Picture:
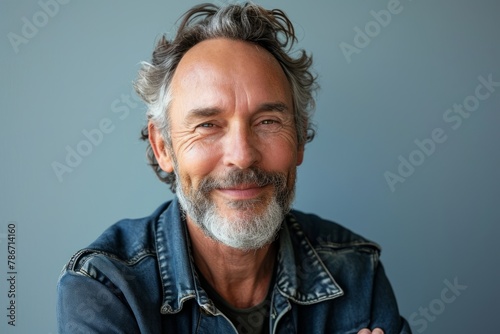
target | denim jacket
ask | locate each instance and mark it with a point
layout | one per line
(139, 277)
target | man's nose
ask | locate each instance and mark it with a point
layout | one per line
(240, 147)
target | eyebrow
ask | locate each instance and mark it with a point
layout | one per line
(213, 111)
(203, 112)
(273, 106)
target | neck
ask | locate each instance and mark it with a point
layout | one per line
(241, 278)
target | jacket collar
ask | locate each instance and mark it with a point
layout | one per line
(174, 259)
(301, 275)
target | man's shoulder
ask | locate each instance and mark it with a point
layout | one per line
(126, 241)
(326, 233)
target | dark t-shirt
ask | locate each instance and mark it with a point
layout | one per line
(253, 320)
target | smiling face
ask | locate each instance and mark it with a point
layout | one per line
(234, 143)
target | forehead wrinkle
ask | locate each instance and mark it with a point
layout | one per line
(203, 68)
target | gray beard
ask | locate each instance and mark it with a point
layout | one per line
(247, 231)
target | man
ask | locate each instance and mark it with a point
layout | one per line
(228, 112)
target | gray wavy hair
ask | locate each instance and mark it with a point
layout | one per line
(270, 29)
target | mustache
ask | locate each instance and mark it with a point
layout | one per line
(236, 177)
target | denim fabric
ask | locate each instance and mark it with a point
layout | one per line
(139, 277)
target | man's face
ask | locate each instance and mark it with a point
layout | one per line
(234, 143)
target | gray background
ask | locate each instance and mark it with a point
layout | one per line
(440, 224)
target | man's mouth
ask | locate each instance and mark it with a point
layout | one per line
(242, 191)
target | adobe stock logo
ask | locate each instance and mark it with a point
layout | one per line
(363, 37)
(449, 294)
(454, 117)
(94, 137)
(30, 28)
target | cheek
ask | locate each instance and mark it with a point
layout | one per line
(197, 162)
(281, 157)
(281, 152)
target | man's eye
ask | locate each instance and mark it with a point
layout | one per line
(206, 128)
(205, 125)
(269, 125)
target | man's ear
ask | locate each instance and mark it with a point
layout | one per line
(159, 148)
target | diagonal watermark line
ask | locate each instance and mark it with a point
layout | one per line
(31, 26)
(453, 117)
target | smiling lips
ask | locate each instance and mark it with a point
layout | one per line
(242, 192)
